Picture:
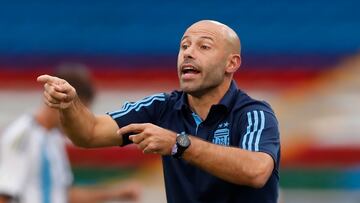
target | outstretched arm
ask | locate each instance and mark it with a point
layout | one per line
(79, 123)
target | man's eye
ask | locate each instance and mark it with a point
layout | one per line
(204, 47)
(184, 46)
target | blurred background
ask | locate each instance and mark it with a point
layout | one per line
(301, 56)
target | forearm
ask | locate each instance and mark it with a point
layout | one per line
(78, 123)
(229, 163)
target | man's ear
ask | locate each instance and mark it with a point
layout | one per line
(233, 64)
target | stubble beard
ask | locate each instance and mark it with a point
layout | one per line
(199, 90)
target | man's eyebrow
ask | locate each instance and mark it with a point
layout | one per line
(184, 37)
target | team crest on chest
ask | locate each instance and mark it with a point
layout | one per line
(221, 134)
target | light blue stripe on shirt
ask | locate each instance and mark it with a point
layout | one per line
(247, 130)
(128, 105)
(197, 120)
(138, 105)
(262, 126)
(251, 137)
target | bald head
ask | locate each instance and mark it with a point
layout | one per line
(220, 30)
(209, 55)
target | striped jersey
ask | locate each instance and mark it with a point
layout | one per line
(238, 121)
(34, 166)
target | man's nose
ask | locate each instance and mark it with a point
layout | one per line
(189, 52)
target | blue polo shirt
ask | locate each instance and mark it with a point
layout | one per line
(238, 120)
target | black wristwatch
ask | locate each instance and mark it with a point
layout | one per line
(182, 143)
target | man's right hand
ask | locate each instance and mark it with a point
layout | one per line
(58, 93)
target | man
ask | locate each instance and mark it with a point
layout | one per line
(217, 143)
(34, 167)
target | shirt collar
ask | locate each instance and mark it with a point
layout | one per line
(182, 102)
(226, 101)
(229, 97)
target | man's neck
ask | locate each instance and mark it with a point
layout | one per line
(201, 104)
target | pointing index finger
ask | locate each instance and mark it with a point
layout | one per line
(46, 79)
(131, 128)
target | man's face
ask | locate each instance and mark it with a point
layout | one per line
(202, 59)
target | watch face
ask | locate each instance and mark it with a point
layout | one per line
(183, 140)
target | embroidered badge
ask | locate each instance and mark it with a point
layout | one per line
(221, 135)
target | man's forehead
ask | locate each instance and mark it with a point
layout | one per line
(203, 30)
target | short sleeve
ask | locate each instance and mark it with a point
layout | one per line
(147, 110)
(13, 164)
(261, 133)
